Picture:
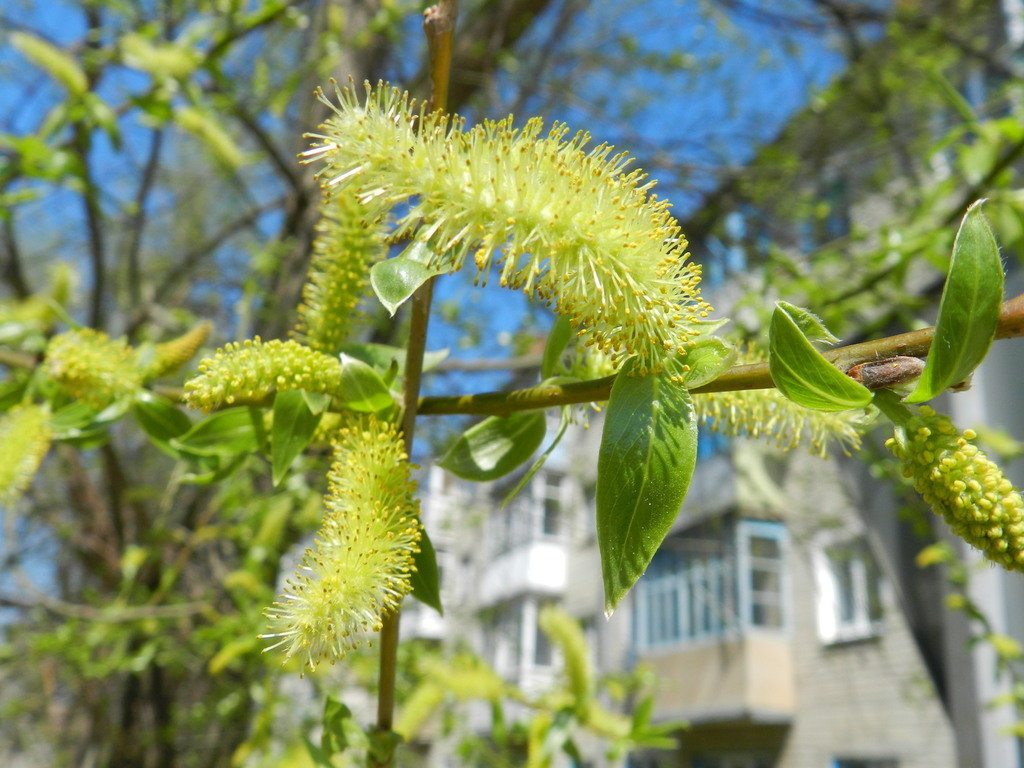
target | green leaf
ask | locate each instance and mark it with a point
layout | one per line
(563, 425)
(396, 279)
(159, 418)
(426, 579)
(12, 392)
(362, 388)
(293, 426)
(648, 451)
(72, 417)
(558, 340)
(968, 311)
(334, 738)
(161, 421)
(803, 375)
(812, 326)
(495, 446)
(317, 402)
(382, 356)
(222, 467)
(707, 359)
(227, 433)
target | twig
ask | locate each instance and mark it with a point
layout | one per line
(753, 376)
(439, 27)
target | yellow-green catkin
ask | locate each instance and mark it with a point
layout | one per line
(24, 440)
(361, 562)
(92, 367)
(963, 485)
(558, 219)
(252, 370)
(169, 356)
(767, 414)
(346, 246)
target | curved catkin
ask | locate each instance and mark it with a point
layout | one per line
(253, 370)
(963, 485)
(90, 366)
(346, 246)
(24, 440)
(169, 356)
(560, 220)
(767, 414)
(361, 562)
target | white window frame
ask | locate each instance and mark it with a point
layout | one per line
(831, 626)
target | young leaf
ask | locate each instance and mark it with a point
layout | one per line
(161, 421)
(968, 311)
(812, 326)
(426, 579)
(707, 360)
(293, 426)
(362, 388)
(226, 433)
(382, 356)
(563, 425)
(495, 446)
(317, 402)
(396, 279)
(803, 375)
(159, 418)
(558, 339)
(648, 451)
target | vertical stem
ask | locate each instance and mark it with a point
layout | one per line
(439, 27)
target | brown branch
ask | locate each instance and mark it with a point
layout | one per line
(753, 376)
(137, 223)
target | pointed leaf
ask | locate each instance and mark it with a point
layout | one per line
(648, 451)
(563, 425)
(226, 433)
(426, 579)
(812, 326)
(160, 418)
(803, 375)
(558, 339)
(968, 311)
(382, 356)
(707, 360)
(396, 279)
(317, 402)
(495, 446)
(293, 426)
(362, 388)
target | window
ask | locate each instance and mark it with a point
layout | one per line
(849, 591)
(762, 593)
(698, 588)
(552, 505)
(503, 637)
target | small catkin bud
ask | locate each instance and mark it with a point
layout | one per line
(24, 440)
(171, 355)
(347, 244)
(963, 485)
(90, 366)
(253, 370)
(360, 564)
